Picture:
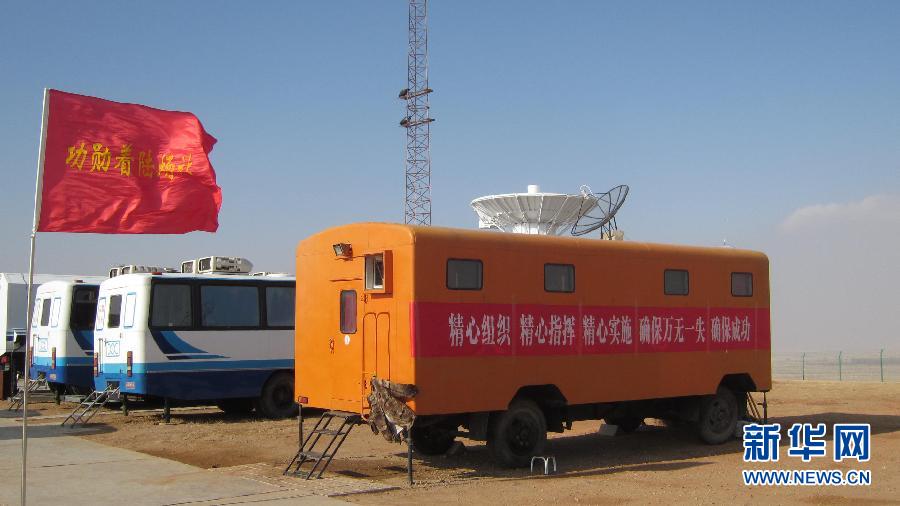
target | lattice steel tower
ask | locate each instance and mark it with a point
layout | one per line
(417, 122)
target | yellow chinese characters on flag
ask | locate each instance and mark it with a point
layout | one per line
(125, 168)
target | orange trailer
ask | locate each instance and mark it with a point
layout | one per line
(509, 336)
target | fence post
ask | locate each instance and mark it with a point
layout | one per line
(881, 363)
(840, 366)
(803, 366)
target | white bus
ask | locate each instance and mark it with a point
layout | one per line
(211, 336)
(62, 333)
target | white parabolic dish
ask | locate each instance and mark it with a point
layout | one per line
(533, 212)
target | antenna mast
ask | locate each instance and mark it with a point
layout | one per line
(417, 122)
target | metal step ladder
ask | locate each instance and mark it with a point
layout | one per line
(753, 409)
(91, 405)
(35, 387)
(311, 452)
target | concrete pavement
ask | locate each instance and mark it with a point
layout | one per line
(64, 469)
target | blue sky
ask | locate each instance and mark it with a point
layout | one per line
(725, 118)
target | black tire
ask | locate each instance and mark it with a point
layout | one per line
(718, 417)
(627, 424)
(277, 397)
(236, 406)
(517, 434)
(433, 439)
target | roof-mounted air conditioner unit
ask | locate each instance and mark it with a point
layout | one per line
(223, 265)
(134, 269)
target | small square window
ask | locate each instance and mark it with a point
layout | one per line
(375, 272)
(464, 274)
(742, 284)
(677, 282)
(559, 278)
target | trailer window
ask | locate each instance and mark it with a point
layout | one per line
(171, 306)
(348, 311)
(280, 306)
(84, 309)
(45, 312)
(677, 282)
(464, 274)
(375, 272)
(559, 278)
(742, 284)
(229, 306)
(115, 312)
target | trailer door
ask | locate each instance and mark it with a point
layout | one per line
(347, 351)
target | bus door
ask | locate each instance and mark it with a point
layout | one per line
(346, 348)
(107, 349)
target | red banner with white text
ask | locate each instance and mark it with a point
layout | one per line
(116, 168)
(450, 329)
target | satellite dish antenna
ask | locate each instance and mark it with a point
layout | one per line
(532, 212)
(602, 214)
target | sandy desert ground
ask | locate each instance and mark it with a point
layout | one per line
(656, 464)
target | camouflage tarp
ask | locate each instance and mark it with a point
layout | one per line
(390, 416)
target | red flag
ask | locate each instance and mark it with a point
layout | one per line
(114, 168)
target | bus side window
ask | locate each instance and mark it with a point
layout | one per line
(677, 282)
(348, 311)
(741, 284)
(84, 309)
(229, 306)
(54, 312)
(115, 312)
(45, 312)
(129, 310)
(280, 306)
(171, 306)
(36, 312)
(101, 314)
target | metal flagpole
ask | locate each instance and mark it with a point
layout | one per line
(38, 186)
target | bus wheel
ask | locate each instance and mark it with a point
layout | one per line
(277, 399)
(236, 406)
(433, 439)
(718, 417)
(518, 434)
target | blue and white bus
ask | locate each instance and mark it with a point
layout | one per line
(62, 333)
(213, 336)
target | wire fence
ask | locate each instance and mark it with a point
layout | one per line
(879, 365)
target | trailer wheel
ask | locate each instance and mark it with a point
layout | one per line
(433, 439)
(235, 406)
(277, 398)
(518, 434)
(718, 417)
